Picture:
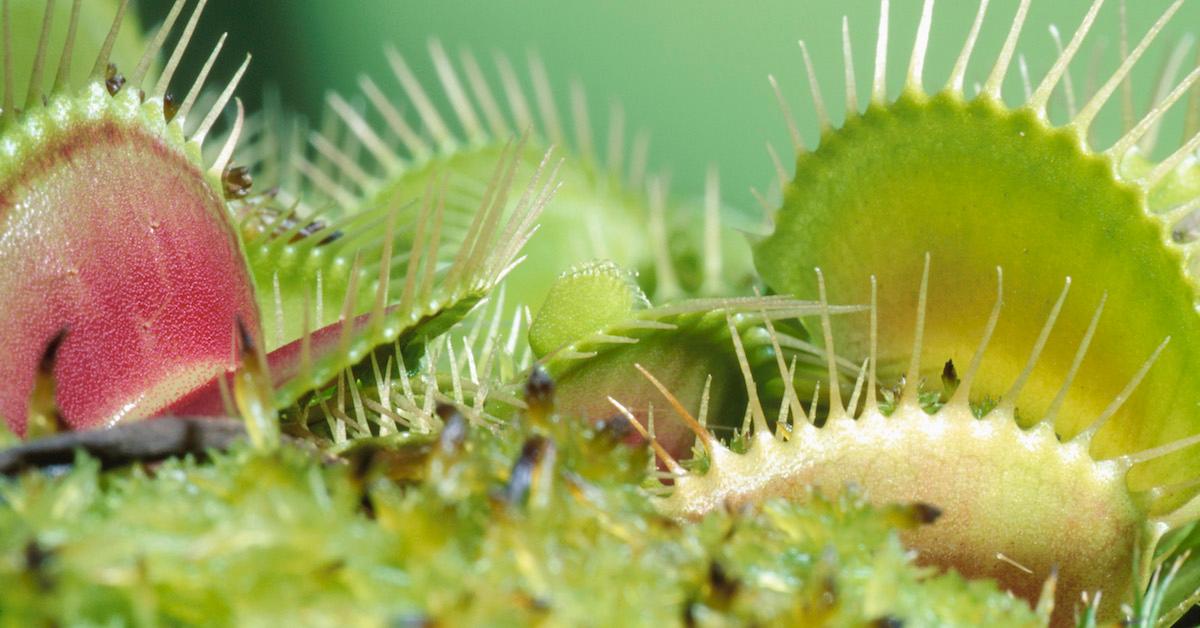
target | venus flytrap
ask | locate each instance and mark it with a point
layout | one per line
(474, 473)
(147, 270)
(1090, 406)
(609, 206)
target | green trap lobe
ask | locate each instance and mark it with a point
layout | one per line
(977, 186)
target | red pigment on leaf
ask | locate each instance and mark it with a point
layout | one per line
(284, 364)
(116, 236)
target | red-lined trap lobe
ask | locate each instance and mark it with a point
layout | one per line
(114, 229)
(117, 237)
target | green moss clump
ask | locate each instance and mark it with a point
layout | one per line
(525, 524)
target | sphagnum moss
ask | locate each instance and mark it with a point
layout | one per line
(542, 521)
(497, 509)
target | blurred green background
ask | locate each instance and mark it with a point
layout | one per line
(691, 73)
